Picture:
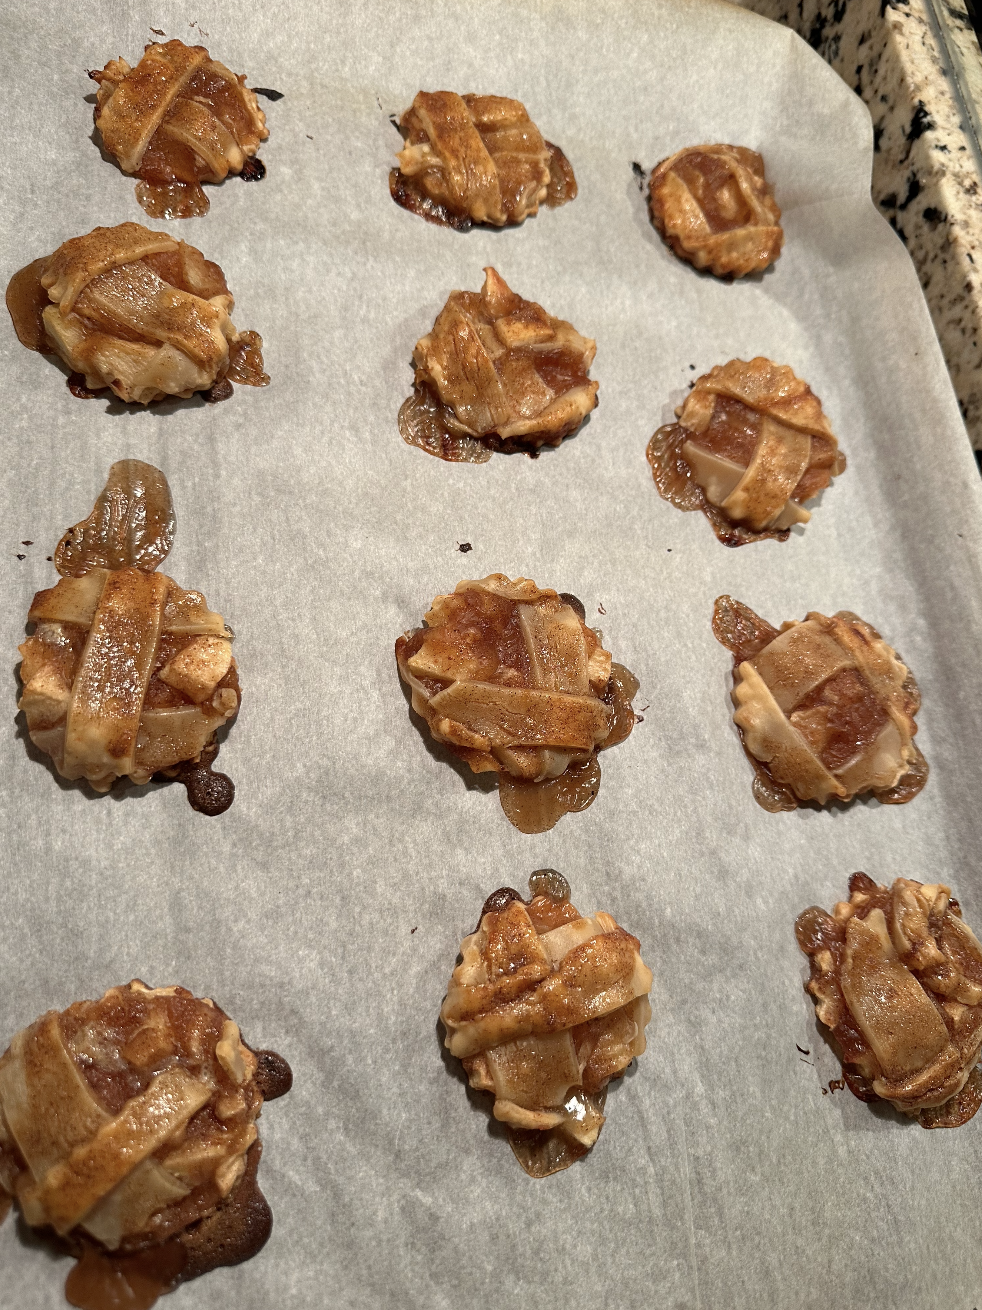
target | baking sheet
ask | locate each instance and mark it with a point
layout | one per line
(324, 910)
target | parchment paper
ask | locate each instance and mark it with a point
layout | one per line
(325, 909)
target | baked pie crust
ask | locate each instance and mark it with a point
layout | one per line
(127, 674)
(897, 979)
(750, 446)
(508, 676)
(715, 208)
(544, 1009)
(824, 706)
(137, 312)
(476, 159)
(128, 1132)
(179, 118)
(496, 372)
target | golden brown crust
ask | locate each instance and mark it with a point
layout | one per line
(500, 371)
(750, 446)
(509, 676)
(476, 159)
(897, 978)
(129, 1117)
(140, 313)
(126, 673)
(177, 119)
(715, 208)
(824, 705)
(545, 1008)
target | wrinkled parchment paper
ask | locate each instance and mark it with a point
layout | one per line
(325, 909)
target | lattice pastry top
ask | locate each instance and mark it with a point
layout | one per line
(137, 312)
(496, 372)
(545, 1008)
(128, 1121)
(716, 209)
(824, 706)
(750, 447)
(127, 674)
(897, 977)
(476, 159)
(509, 676)
(179, 118)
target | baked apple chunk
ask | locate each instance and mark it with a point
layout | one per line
(544, 1009)
(751, 445)
(508, 676)
(128, 1135)
(476, 159)
(179, 118)
(715, 208)
(127, 674)
(138, 313)
(496, 372)
(896, 975)
(824, 706)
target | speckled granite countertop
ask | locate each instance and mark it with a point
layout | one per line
(917, 65)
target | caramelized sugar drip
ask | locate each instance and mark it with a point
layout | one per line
(542, 1154)
(551, 883)
(209, 793)
(909, 785)
(274, 1077)
(101, 1281)
(172, 199)
(538, 806)
(5, 1203)
(131, 524)
(222, 390)
(233, 1233)
(621, 690)
(562, 182)
(245, 361)
(498, 900)
(770, 794)
(423, 423)
(739, 629)
(406, 192)
(675, 483)
(961, 1107)
(75, 382)
(26, 299)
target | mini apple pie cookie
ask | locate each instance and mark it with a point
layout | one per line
(545, 1008)
(751, 445)
(715, 208)
(897, 979)
(179, 118)
(476, 159)
(126, 674)
(128, 1132)
(824, 706)
(496, 372)
(510, 678)
(137, 312)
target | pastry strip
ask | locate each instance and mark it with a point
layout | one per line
(138, 104)
(112, 679)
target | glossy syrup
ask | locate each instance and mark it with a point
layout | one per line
(423, 423)
(673, 478)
